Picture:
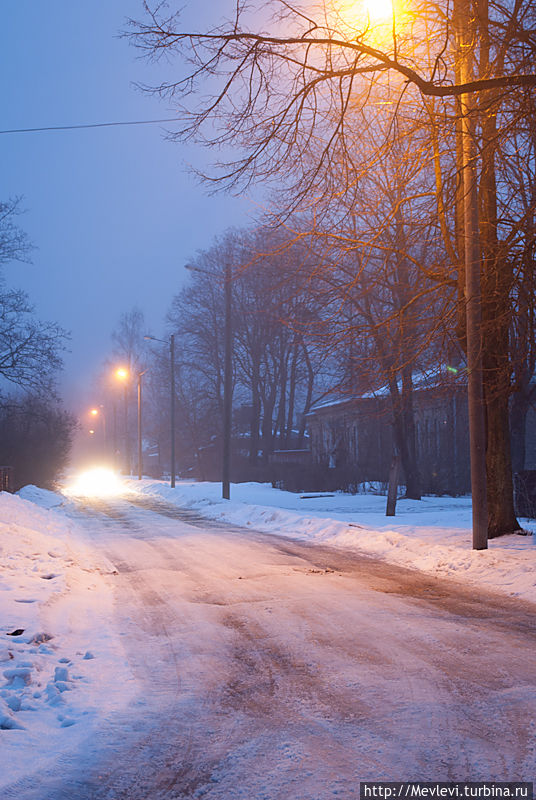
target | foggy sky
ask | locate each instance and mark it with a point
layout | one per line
(113, 212)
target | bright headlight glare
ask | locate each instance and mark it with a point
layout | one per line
(98, 482)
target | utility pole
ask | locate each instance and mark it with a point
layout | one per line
(172, 399)
(227, 388)
(127, 438)
(140, 446)
(473, 303)
(172, 382)
(227, 376)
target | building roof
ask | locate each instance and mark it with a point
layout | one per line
(450, 377)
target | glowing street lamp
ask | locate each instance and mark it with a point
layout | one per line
(98, 413)
(375, 18)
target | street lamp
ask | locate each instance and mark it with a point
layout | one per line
(172, 388)
(467, 117)
(98, 413)
(227, 377)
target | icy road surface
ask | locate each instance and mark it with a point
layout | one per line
(269, 668)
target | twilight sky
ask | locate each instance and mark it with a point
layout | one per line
(113, 212)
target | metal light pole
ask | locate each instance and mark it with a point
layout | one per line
(127, 440)
(140, 447)
(115, 436)
(123, 375)
(172, 409)
(227, 390)
(172, 398)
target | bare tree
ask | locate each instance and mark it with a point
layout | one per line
(35, 439)
(127, 339)
(302, 84)
(14, 243)
(30, 350)
(274, 366)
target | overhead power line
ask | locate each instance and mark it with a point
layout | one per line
(89, 125)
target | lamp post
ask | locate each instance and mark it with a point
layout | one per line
(464, 26)
(227, 376)
(123, 375)
(473, 302)
(172, 408)
(140, 447)
(227, 390)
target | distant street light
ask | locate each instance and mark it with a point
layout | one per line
(227, 377)
(98, 413)
(172, 389)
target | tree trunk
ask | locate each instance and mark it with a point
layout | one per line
(518, 426)
(267, 442)
(497, 282)
(255, 416)
(404, 433)
(519, 408)
(309, 396)
(292, 395)
(400, 433)
(282, 407)
(394, 474)
(413, 479)
(501, 514)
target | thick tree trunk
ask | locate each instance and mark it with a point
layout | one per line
(497, 282)
(501, 514)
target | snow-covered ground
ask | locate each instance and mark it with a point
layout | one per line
(432, 534)
(60, 659)
(63, 669)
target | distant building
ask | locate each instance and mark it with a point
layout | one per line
(354, 436)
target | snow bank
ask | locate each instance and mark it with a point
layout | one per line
(432, 535)
(41, 497)
(59, 656)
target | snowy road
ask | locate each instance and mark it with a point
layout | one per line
(268, 668)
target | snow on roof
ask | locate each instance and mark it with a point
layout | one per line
(451, 376)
